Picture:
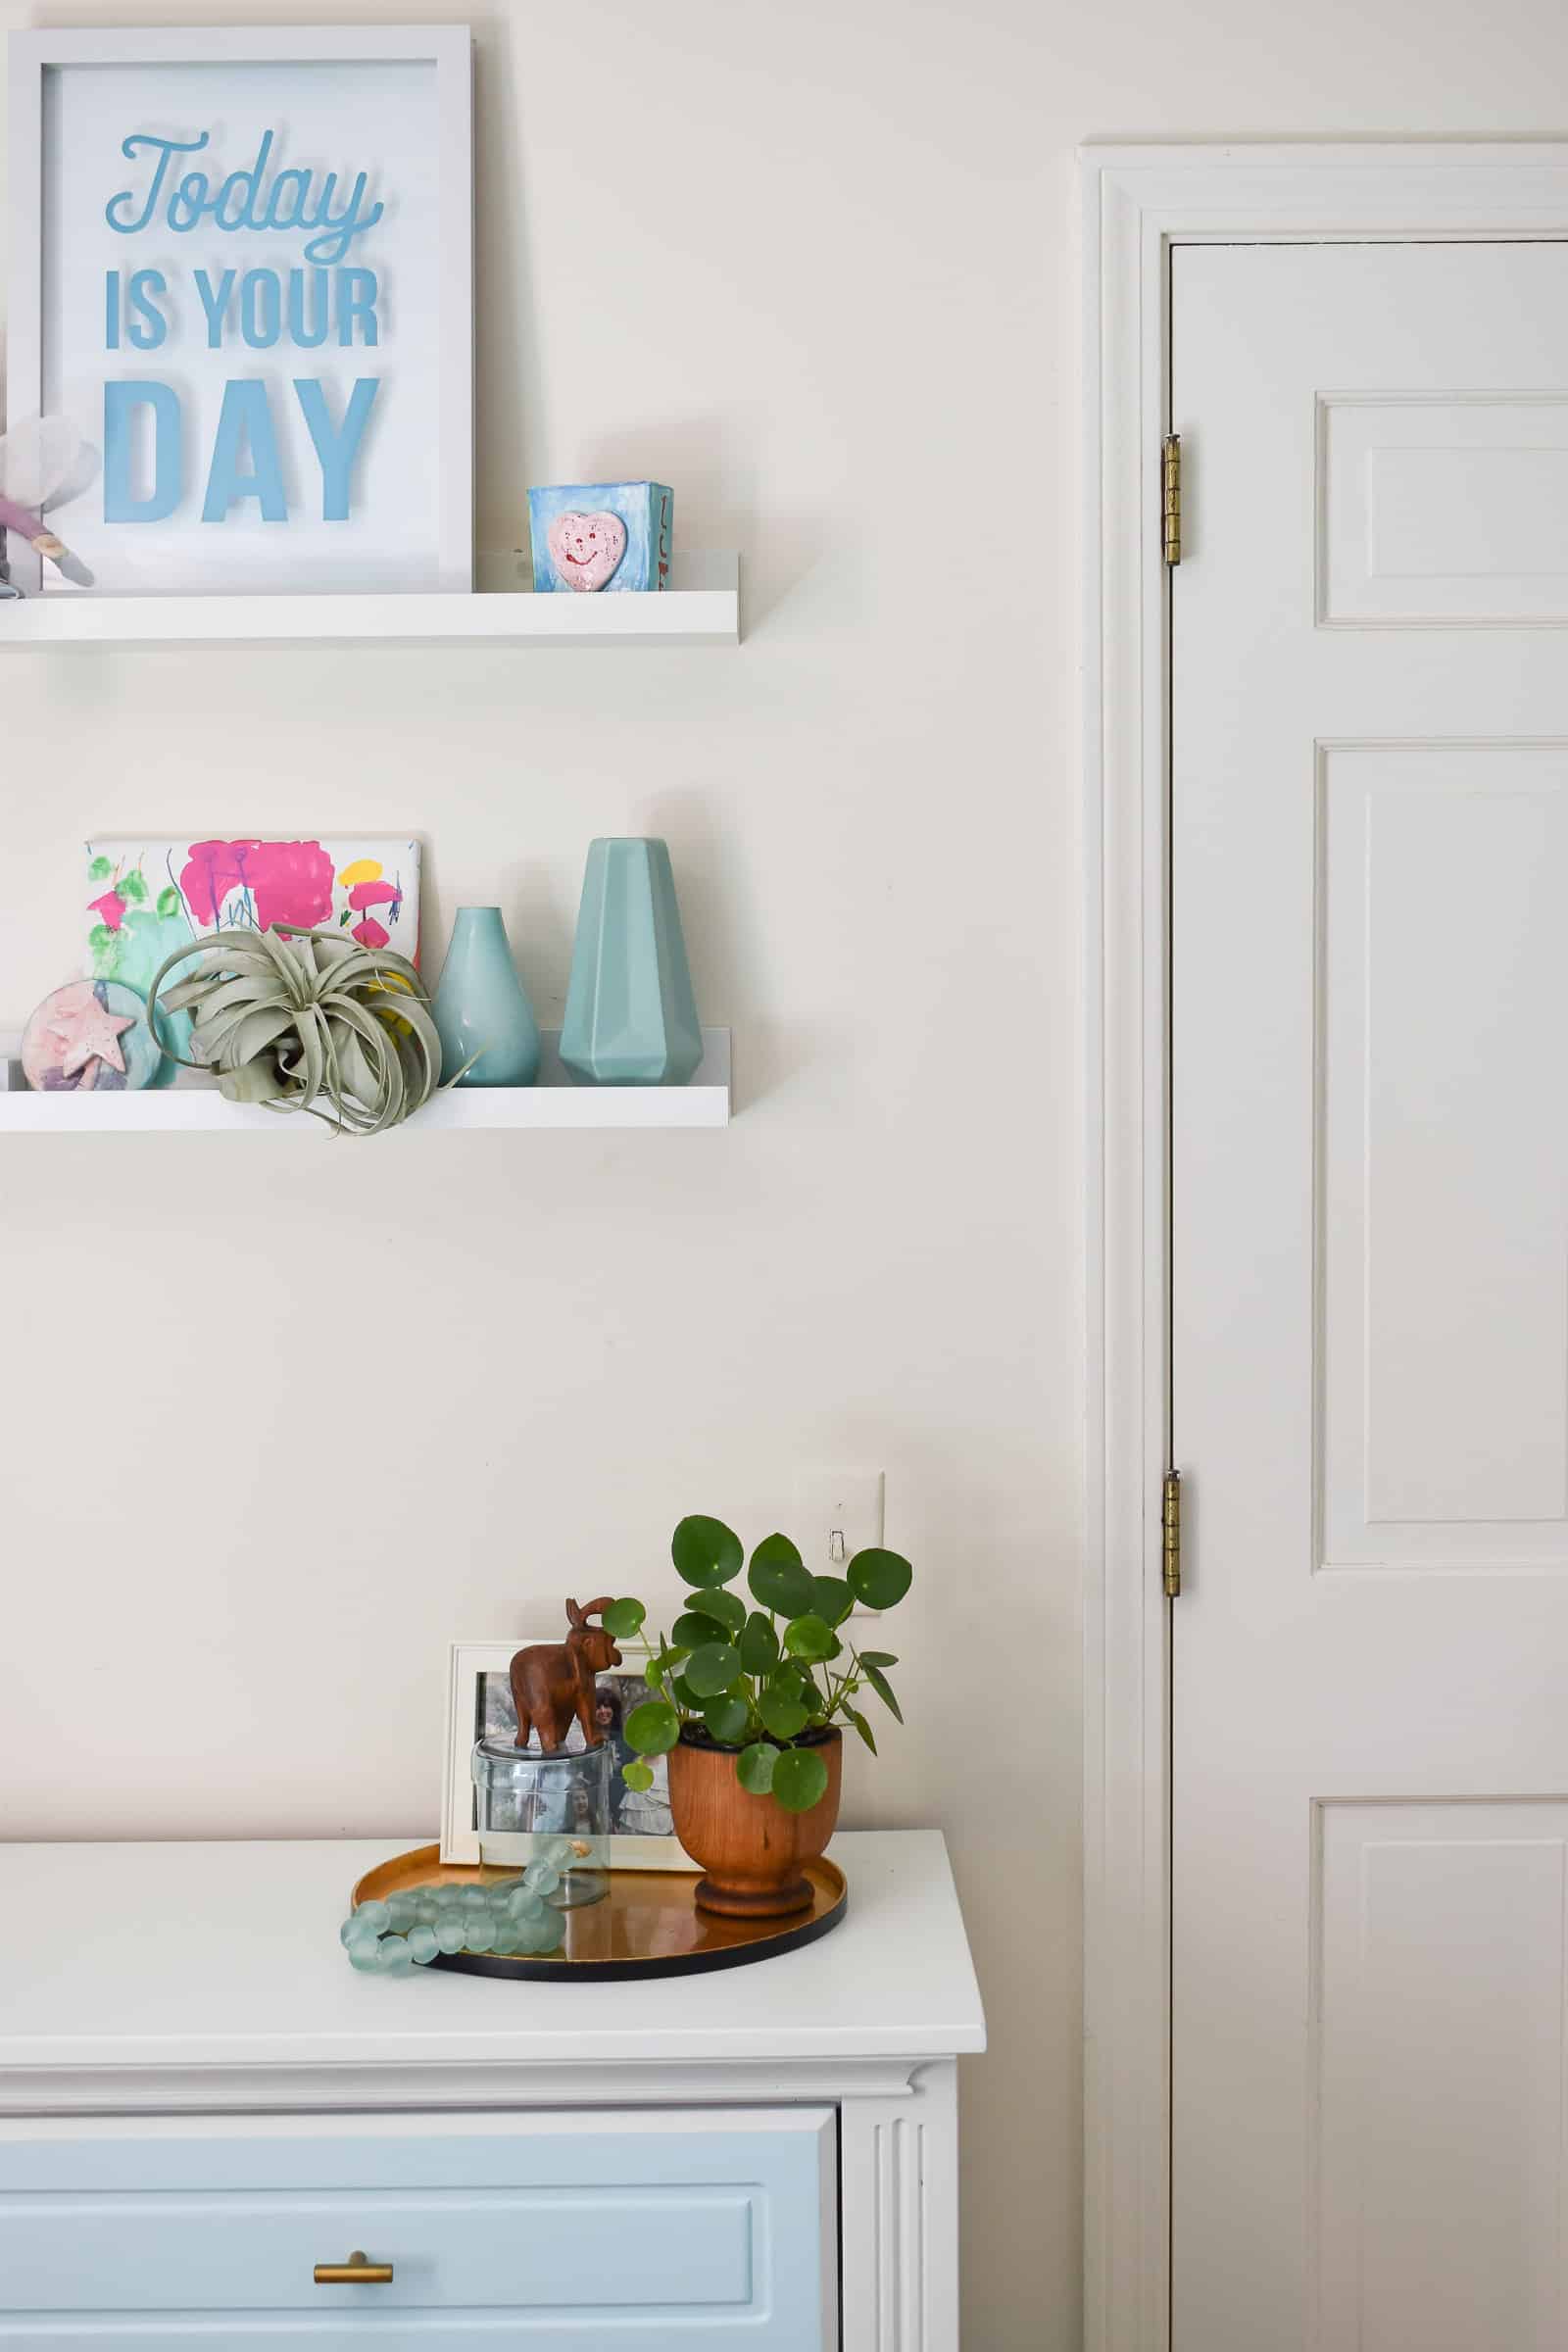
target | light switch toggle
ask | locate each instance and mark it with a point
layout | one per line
(837, 1513)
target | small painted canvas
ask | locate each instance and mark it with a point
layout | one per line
(597, 538)
(146, 898)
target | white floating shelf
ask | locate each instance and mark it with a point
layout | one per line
(700, 607)
(556, 1101)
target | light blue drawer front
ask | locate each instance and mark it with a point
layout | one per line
(665, 2231)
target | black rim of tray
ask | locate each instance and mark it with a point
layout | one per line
(547, 1969)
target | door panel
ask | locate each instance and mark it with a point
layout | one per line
(1440, 2040)
(1370, 1296)
(1442, 982)
(1450, 509)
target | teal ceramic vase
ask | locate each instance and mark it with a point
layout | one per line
(631, 1019)
(481, 1007)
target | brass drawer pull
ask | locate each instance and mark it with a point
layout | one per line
(356, 2272)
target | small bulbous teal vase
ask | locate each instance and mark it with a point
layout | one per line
(631, 1019)
(481, 1009)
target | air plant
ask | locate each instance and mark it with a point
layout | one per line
(307, 1020)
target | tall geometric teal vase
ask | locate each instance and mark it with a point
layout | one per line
(481, 1007)
(631, 1019)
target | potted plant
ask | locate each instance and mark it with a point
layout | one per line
(749, 1704)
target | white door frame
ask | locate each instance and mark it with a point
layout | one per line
(1137, 202)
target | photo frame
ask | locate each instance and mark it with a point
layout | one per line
(480, 1703)
(241, 315)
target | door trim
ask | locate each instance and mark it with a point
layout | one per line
(1136, 203)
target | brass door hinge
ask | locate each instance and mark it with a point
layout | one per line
(1170, 1533)
(1170, 498)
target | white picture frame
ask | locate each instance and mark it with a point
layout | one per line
(427, 358)
(469, 1664)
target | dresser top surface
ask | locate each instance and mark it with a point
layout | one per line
(227, 1955)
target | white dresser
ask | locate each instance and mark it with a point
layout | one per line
(201, 2104)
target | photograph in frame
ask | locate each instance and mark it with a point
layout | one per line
(479, 1706)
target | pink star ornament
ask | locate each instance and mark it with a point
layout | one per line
(91, 1034)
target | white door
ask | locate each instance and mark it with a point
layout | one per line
(1370, 1316)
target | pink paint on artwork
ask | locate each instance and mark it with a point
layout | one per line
(374, 894)
(286, 881)
(370, 933)
(112, 906)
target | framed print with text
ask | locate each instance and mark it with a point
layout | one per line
(240, 345)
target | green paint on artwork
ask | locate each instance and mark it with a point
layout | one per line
(146, 937)
(99, 870)
(132, 886)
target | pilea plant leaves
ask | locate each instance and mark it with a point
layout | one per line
(724, 1608)
(762, 1690)
(811, 1638)
(878, 1579)
(661, 1670)
(785, 1718)
(705, 1554)
(654, 1728)
(758, 1644)
(712, 1669)
(831, 1599)
(883, 1688)
(753, 1767)
(799, 1779)
(727, 1719)
(779, 1577)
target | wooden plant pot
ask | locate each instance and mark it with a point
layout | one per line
(750, 1850)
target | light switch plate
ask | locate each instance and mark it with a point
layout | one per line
(838, 1513)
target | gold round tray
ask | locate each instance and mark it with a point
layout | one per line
(646, 1926)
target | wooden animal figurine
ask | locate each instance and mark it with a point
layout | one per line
(554, 1681)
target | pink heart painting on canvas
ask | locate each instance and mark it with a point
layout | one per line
(586, 548)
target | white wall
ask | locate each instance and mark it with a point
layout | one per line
(282, 1418)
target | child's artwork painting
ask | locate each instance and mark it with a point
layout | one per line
(144, 899)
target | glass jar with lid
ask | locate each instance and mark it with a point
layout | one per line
(554, 1811)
